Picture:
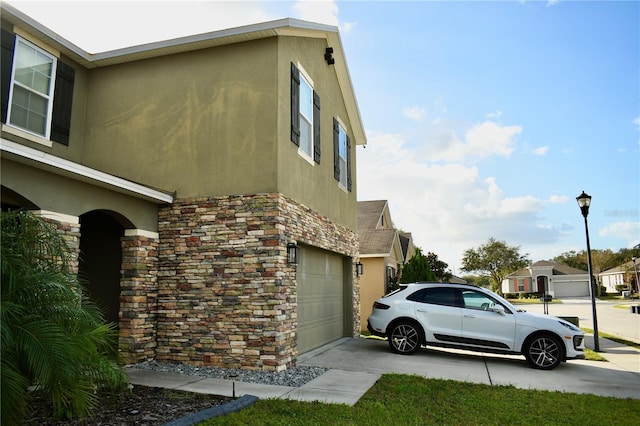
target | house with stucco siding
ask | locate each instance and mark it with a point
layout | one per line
(383, 251)
(545, 277)
(207, 184)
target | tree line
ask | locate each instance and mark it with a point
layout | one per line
(493, 261)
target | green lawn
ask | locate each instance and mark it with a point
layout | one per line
(411, 400)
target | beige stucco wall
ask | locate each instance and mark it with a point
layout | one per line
(296, 174)
(60, 194)
(372, 286)
(217, 122)
(198, 123)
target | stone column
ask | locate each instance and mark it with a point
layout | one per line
(138, 296)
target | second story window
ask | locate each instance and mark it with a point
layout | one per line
(305, 115)
(32, 89)
(37, 91)
(341, 155)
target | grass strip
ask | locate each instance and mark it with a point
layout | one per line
(412, 400)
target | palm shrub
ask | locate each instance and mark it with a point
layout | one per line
(53, 339)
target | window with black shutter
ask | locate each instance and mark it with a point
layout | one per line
(62, 100)
(33, 98)
(295, 104)
(8, 42)
(341, 155)
(305, 115)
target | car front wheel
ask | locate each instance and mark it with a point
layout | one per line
(544, 352)
(405, 338)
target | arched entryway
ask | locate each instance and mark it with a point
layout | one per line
(11, 200)
(101, 259)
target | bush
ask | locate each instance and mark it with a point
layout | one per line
(622, 287)
(53, 338)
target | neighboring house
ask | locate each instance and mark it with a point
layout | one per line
(184, 172)
(623, 275)
(546, 277)
(383, 251)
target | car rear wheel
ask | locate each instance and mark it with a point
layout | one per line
(544, 352)
(405, 338)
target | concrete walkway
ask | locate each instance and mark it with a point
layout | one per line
(354, 365)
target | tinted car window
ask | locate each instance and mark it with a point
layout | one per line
(436, 296)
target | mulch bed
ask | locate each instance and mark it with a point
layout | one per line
(143, 405)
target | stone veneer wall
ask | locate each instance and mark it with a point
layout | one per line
(138, 297)
(226, 295)
(69, 230)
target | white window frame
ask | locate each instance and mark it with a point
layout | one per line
(48, 96)
(305, 81)
(342, 160)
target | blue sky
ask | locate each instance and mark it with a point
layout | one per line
(483, 119)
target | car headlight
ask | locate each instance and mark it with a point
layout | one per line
(569, 326)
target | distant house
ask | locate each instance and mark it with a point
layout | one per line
(622, 275)
(383, 251)
(546, 277)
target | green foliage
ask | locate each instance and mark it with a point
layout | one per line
(438, 267)
(601, 260)
(52, 337)
(494, 259)
(480, 281)
(417, 269)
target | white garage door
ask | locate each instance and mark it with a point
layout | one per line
(570, 288)
(321, 290)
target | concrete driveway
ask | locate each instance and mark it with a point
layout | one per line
(619, 377)
(354, 357)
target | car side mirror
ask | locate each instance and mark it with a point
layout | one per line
(498, 309)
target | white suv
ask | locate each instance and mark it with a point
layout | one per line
(473, 318)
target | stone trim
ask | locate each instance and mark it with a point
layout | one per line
(138, 297)
(226, 295)
(69, 228)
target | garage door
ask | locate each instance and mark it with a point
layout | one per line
(321, 316)
(570, 288)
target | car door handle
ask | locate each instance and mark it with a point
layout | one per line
(469, 316)
(422, 310)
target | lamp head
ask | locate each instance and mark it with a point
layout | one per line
(584, 201)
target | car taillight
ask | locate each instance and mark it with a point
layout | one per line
(378, 305)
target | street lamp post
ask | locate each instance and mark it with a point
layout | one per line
(635, 269)
(584, 201)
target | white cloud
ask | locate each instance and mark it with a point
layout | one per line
(542, 150)
(323, 11)
(414, 113)
(480, 141)
(140, 22)
(557, 199)
(494, 115)
(447, 207)
(636, 121)
(627, 230)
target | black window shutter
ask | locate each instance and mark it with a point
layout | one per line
(8, 44)
(316, 127)
(336, 150)
(62, 101)
(295, 104)
(348, 163)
